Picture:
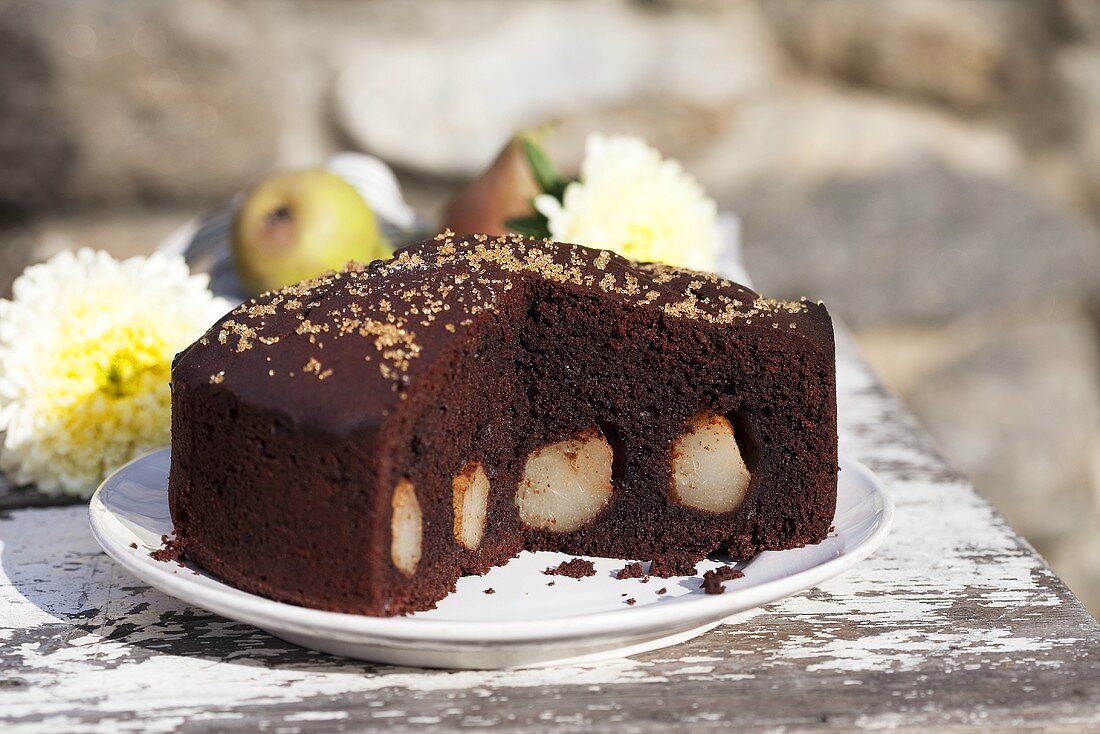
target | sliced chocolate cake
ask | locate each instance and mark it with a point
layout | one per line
(357, 442)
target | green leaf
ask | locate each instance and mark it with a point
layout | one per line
(533, 226)
(542, 168)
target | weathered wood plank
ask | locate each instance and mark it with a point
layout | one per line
(954, 624)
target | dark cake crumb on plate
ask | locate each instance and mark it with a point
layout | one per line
(170, 551)
(631, 571)
(712, 580)
(672, 565)
(577, 568)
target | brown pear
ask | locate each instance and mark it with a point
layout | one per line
(504, 191)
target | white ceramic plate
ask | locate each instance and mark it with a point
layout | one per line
(525, 622)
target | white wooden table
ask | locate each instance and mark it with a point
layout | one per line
(955, 624)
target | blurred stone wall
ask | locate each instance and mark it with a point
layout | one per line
(931, 168)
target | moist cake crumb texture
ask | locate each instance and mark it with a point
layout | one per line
(359, 441)
(577, 568)
(673, 564)
(631, 571)
(171, 550)
(712, 580)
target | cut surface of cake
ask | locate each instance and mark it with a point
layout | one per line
(358, 442)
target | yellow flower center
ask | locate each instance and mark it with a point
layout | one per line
(116, 364)
(128, 367)
(642, 242)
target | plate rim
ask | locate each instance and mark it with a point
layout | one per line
(270, 614)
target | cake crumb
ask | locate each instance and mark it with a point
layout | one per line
(171, 550)
(712, 580)
(550, 584)
(490, 590)
(631, 571)
(133, 545)
(662, 591)
(672, 565)
(576, 568)
(631, 601)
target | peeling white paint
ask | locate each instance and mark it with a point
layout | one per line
(316, 716)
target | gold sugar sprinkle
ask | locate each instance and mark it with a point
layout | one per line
(244, 333)
(313, 366)
(308, 327)
(467, 277)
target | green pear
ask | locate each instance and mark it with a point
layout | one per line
(296, 225)
(504, 191)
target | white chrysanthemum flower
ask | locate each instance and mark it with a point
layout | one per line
(631, 201)
(86, 346)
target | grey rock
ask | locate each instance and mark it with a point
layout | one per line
(465, 88)
(1020, 414)
(915, 243)
(1073, 557)
(889, 212)
(971, 55)
(1081, 19)
(1079, 149)
(815, 131)
(135, 101)
(121, 232)
(35, 143)
(16, 252)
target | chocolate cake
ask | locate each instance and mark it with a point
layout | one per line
(358, 442)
